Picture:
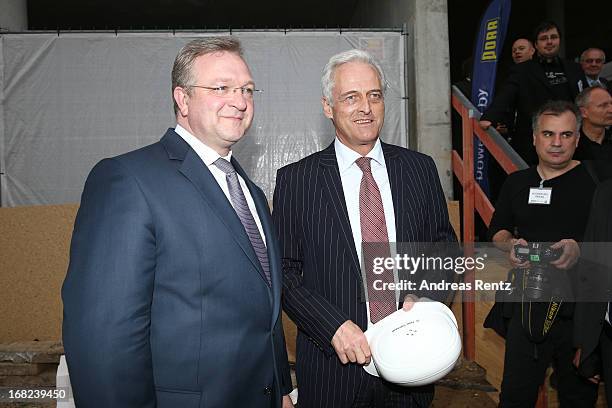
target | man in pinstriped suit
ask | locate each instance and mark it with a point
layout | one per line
(319, 213)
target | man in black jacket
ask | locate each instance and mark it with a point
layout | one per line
(595, 104)
(547, 203)
(592, 328)
(532, 83)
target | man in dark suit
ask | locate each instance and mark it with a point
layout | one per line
(529, 85)
(592, 328)
(356, 190)
(592, 61)
(172, 297)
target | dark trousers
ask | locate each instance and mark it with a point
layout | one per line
(375, 393)
(525, 365)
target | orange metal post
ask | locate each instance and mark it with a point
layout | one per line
(468, 309)
(542, 401)
(475, 199)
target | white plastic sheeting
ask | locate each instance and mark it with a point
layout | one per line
(71, 99)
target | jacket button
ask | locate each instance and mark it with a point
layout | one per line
(268, 391)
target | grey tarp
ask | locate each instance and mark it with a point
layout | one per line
(71, 99)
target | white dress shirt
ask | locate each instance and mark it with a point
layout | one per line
(592, 82)
(351, 175)
(209, 156)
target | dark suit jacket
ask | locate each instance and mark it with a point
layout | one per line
(165, 302)
(606, 83)
(526, 89)
(595, 273)
(322, 278)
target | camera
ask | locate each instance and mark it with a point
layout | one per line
(537, 279)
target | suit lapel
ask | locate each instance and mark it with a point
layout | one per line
(198, 174)
(332, 186)
(394, 171)
(573, 77)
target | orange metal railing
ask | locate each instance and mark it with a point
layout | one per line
(474, 198)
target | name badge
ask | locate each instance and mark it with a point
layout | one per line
(540, 195)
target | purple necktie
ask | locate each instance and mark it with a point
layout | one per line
(244, 213)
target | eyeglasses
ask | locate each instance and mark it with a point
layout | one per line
(594, 60)
(227, 92)
(548, 37)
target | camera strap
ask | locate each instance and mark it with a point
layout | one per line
(551, 314)
(537, 318)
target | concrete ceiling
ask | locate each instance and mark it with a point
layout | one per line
(188, 14)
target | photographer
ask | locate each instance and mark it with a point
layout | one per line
(547, 203)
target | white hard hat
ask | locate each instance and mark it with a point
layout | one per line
(416, 347)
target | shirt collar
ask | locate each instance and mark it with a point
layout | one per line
(592, 81)
(346, 156)
(549, 60)
(207, 154)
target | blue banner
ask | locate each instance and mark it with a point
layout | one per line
(487, 51)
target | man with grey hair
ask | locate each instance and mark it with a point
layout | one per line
(172, 297)
(595, 104)
(592, 61)
(327, 208)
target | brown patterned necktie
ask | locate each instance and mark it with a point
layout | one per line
(375, 241)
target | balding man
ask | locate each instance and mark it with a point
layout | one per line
(592, 61)
(522, 50)
(595, 105)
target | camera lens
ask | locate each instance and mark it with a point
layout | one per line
(536, 283)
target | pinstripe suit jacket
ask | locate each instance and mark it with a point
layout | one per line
(322, 278)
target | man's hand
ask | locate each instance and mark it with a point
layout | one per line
(576, 360)
(351, 344)
(594, 379)
(287, 402)
(570, 255)
(516, 262)
(501, 128)
(409, 301)
(485, 124)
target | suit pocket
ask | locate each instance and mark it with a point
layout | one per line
(170, 398)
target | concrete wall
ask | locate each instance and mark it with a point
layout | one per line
(13, 15)
(428, 72)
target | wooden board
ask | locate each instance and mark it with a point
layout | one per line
(34, 245)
